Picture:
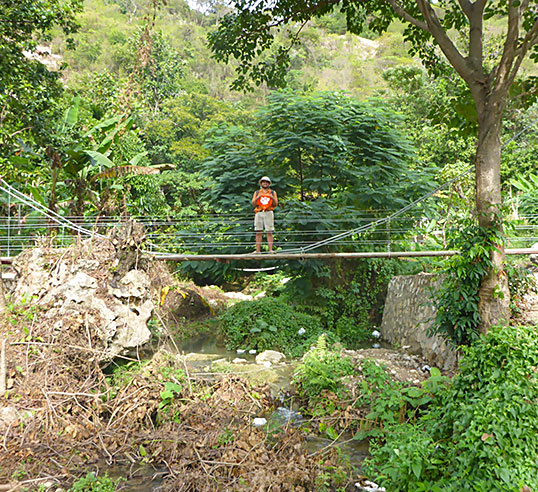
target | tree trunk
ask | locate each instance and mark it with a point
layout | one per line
(494, 304)
(301, 177)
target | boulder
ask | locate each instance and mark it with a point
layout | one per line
(270, 356)
(81, 283)
(181, 304)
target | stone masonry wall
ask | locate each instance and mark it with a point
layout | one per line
(409, 313)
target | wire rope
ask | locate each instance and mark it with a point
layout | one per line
(238, 220)
(44, 210)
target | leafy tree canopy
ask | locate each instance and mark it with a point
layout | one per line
(25, 84)
(324, 145)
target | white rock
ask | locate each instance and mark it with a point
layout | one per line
(301, 331)
(376, 334)
(271, 356)
(534, 258)
(238, 295)
(369, 487)
(240, 351)
(259, 422)
(267, 363)
(252, 351)
(376, 345)
(135, 283)
(8, 416)
(239, 360)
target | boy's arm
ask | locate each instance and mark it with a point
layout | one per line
(276, 199)
(254, 199)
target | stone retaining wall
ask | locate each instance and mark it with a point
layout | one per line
(409, 313)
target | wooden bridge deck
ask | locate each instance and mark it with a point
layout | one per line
(309, 256)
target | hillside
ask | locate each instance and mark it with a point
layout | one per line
(325, 59)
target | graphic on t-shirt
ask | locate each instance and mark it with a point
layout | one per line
(264, 202)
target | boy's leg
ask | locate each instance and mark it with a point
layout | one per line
(258, 227)
(269, 229)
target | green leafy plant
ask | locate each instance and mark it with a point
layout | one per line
(480, 433)
(171, 390)
(321, 369)
(457, 316)
(520, 281)
(166, 409)
(93, 483)
(269, 323)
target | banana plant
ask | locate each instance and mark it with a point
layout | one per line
(88, 158)
(527, 199)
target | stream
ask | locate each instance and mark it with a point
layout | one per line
(357, 451)
(200, 349)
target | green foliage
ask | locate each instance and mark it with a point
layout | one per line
(269, 324)
(93, 483)
(528, 196)
(390, 402)
(26, 86)
(352, 308)
(332, 145)
(521, 281)
(321, 369)
(457, 317)
(481, 434)
(171, 390)
(158, 67)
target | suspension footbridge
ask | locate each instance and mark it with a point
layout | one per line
(403, 233)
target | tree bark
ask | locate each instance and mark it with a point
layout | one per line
(494, 295)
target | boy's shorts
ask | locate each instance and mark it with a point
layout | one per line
(264, 220)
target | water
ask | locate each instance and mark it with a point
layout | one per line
(210, 344)
(357, 451)
(138, 477)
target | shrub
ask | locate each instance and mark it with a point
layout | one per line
(268, 323)
(321, 369)
(350, 308)
(481, 434)
(457, 316)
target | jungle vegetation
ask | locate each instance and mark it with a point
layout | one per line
(119, 107)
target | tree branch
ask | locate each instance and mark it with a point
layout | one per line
(476, 34)
(528, 42)
(460, 64)
(503, 70)
(467, 7)
(407, 16)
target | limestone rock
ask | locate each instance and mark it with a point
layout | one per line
(80, 283)
(135, 283)
(270, 356)
(534, 258)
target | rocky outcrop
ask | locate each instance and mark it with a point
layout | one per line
(409, 313)
(82, 282)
